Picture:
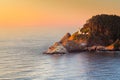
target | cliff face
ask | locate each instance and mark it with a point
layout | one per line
(65, 38)
(76, 42)
(101, 32)
(69, 43)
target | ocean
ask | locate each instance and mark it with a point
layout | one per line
(23, 59)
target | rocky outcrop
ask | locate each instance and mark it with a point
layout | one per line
(73, 46)
(97, 34)
(65, 38)
(57, 48)
(114, 46)
(96, 48)
(76, 43)
(66, 45)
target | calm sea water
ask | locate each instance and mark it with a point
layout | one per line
(22, 59)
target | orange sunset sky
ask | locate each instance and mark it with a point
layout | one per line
(32, 13)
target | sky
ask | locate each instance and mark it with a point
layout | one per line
(23, 14)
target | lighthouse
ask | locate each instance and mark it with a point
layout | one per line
(79, 32)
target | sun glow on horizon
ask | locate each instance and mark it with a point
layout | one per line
(24, 16)
(52, 12)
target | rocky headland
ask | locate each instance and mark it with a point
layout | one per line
(99, 33)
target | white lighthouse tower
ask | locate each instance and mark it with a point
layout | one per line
(79, 32)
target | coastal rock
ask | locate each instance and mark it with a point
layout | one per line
(57, 48)
(114, 46)
(100, 47)
(96, 35)
(109, 48)
(73, 46)
(65, 38)
(96, 48)
(65, 45)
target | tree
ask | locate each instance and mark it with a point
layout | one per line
(103, 29)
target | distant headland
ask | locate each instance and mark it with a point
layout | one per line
(99, 33)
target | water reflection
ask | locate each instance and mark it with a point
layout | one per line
(25, 61)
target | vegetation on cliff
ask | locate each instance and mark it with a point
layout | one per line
(103, 29)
